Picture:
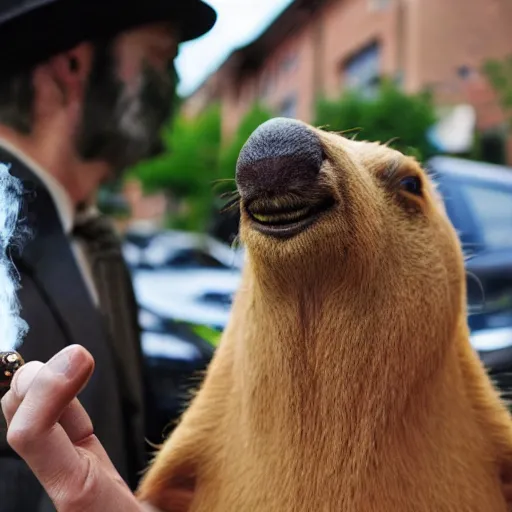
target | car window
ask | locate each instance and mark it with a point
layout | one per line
(193, 258)
(460, 213)
(492, 208)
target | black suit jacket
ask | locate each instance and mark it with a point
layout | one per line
(59, 311)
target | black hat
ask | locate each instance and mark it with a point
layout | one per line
(34, 30)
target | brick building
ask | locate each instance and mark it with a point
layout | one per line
(320, 47)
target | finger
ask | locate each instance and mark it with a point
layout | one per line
(76, 422)
(12, 399)
(74, 477)
(73, 415)
(66, 374)
(74, 419)
(78, 427)
(76, 480)
(33, 431)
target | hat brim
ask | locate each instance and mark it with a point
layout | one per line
(199, 21)
(58, 25)
(194, 19)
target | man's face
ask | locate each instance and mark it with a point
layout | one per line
(129, 97)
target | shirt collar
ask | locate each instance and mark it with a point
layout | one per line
(58, 193)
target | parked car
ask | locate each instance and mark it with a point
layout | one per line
(184, 285)
(178, 249)
(135, 241)
(176, 355)
(478, 200)
(185, 276)
(198, 295)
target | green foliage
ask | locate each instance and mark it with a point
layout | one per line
(389, 115)
(188, 166)
(191, 154)
(499, 74)
(194, 161)
(212, 336)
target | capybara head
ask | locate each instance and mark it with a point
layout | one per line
(352, 225)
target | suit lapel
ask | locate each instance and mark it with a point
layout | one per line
(49, 257)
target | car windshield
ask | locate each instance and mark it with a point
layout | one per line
(492, 208)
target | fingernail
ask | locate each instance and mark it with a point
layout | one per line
(64, 362)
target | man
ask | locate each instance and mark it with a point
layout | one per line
(85, 87)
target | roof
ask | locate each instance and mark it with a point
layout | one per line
(296, 15)
(250, 57)
(452, 166)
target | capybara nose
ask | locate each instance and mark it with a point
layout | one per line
(280, 155)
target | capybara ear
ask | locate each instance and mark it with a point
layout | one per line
(173, 495)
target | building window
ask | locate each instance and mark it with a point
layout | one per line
(362, 71)
(378, 5)
(289, 63)
(288, 107)
(266, 85)
(493, 146)
(466, 72)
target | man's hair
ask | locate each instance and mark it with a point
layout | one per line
(17, 100)
(17, 95)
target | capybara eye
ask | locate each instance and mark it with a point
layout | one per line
(412, 185)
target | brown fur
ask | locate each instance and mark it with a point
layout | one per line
(345, 380)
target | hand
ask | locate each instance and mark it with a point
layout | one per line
(51, 431)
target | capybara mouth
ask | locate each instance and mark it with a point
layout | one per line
(283, 218)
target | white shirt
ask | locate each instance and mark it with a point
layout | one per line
(65, 210)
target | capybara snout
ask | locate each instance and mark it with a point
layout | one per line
(280, 155)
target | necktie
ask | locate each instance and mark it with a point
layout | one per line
(118, 307)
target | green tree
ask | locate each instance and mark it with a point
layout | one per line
(390, 115)
(196, 167)
(188, 167)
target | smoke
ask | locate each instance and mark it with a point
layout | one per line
(12, 327)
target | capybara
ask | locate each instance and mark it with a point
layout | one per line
(345, 380)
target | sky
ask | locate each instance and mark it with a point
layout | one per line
(238, 23)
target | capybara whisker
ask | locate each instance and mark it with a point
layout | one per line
(230, 205)
(390, 142)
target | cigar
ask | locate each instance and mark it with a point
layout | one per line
(10, 363)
